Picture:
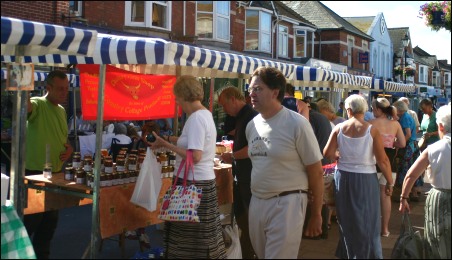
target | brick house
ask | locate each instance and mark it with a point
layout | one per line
(337, 40)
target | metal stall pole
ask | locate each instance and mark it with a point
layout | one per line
(95, 227)
(176, 112)
(74, 115)
(211, 90)
(18, 139)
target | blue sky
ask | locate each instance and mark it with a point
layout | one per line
(400, 14)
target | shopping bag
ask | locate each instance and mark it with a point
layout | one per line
(409, 245)
(180, 203)
(422, 144)
(234, 251)
(328, 182)
(149, 183)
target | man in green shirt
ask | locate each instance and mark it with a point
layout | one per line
(47, 133)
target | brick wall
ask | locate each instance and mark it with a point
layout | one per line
(38, 11)
(108, 14)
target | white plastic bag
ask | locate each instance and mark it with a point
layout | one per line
(149, 183)
(235, 250)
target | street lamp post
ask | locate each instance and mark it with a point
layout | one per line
(406, 42)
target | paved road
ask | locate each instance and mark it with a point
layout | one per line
(73, 235)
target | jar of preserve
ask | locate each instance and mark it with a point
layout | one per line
(103, 180)
(141, 150)
(163, 159)
(134, 152)
(88, 163)
(76, 160)
(132, 163)
(164, 171)
(170, 171)
(172, 158)
(89, 178)
(125, 177)
(108, 163)
(120, 164)
(69, 172)
(80, 176)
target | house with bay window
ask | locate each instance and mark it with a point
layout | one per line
(429, 80)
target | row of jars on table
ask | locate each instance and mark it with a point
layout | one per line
(124, 170)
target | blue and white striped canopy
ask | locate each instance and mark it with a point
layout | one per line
(157, 56)
(323, 80)
(39, 38)
(40, 77)
(389, 86)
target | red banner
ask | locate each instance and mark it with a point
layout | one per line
(127, 95)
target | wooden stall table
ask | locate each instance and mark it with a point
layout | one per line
(59, 193)
(224, 181)
(117, 214)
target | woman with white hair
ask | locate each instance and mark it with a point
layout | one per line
(410, 152)
(437, 233)
(356, 182)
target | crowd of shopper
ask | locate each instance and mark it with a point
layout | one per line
(280, 145)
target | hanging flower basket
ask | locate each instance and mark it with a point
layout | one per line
(409, 72)
(436, 15)
(398, 71)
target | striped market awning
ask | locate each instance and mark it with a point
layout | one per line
(389, 86)
(40, 78)
(398, 87)
(319, 79)
(153, 56)
(39, 38)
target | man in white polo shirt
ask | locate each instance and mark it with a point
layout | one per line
(286, 163)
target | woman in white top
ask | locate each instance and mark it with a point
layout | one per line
(356, 182)
(202, 240)
(437, 233)
(392, 136)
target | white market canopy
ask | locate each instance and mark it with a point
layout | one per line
(41, 76)
(158, 56)
(389, 86)
(39, 38)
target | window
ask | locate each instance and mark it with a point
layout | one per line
(300, 43)
(436, 79)
(350, 43)
(151, 14)
(212, 20)
(75, 7)
(283, 41)
(447, 79)
(422, 73)
(365, 49)
(258, 31)
(303, 43)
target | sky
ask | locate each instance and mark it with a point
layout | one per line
(400, 14)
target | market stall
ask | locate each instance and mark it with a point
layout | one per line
(140, 55)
